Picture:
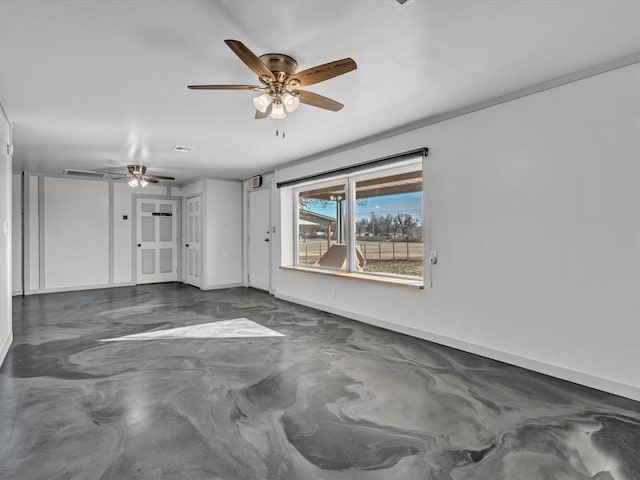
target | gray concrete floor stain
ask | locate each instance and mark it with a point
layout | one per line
(331, 399)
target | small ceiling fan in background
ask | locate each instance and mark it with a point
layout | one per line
(138, 176)
(277, 74)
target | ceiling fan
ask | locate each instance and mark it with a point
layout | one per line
(138, 176)
(277, 74)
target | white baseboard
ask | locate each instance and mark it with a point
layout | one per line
(16, 293)
(78, 288)
(223, 285)
(582, 378)
(4, 349)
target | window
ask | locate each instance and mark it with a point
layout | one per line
(369, 221)
(321, 225)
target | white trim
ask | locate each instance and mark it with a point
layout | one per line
(15, 293)
(4, 349)
(71, 289)
(575, 376)
(220, 286)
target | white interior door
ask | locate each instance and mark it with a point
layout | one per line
(193, 241)
(157, 240)
(260, 239)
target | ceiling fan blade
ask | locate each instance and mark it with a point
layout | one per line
(150, 179)
(108, 173)
(161, 177)
(223, 87)
(260, 115)
(120, 178)
(250, 59)
(323, 72)
(316, 100)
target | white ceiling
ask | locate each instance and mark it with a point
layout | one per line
(100, 84)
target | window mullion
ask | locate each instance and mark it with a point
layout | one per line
(350, 231)
(296, 227)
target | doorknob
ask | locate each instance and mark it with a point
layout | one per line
(186, 245)
(266, 239)
(139, 244)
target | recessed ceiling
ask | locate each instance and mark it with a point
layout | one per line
(102, 84)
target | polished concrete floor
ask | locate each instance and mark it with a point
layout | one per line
(169, 382)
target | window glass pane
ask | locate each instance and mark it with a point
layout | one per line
(388, 224)
(322, 226)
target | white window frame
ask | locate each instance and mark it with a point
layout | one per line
(349, 181)
(333, 181)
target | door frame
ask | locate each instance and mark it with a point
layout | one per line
(134, 230)
(183, 253)
(265, 186)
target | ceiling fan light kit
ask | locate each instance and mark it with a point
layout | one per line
(137, 175)
(277, 74)
(134, 182)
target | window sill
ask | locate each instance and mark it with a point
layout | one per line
(401, 282)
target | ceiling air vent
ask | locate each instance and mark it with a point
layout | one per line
(181, 148)
(82, 173)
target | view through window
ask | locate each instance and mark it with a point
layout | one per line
(321, 224)
(370, 222)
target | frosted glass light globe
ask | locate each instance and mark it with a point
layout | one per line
(262, 102)
(291, 102)
(277, 111)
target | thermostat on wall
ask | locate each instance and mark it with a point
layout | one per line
(256, 181)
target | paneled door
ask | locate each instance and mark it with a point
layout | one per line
(193, 241)
(157, 240)
(260, 239)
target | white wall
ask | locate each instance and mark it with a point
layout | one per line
(16, 234)
(534, 208)
(6, 332)
(32, 235)
(76, 233)
(222, 246)
(152, 189)
(223, 227)
(123, 265)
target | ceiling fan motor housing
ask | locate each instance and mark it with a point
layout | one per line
(137, 169)
(282, 66)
